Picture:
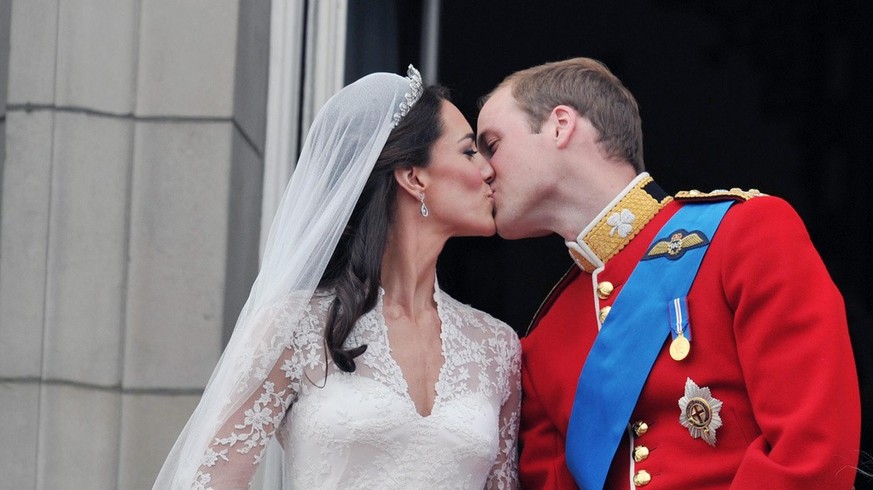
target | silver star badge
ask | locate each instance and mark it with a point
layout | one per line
(698, 412)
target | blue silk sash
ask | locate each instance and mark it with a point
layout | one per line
(630, 340)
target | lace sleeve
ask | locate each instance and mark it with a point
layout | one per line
(232, 457)
(504, 473)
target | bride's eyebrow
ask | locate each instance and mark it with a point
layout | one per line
(468, 136)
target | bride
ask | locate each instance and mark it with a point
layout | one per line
(368, 375)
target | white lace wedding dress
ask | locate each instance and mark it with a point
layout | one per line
(361, 430)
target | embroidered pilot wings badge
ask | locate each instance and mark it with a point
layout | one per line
(675, 247)
(699, 412)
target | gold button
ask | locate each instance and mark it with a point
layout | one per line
(642, 478)
(604, 312)
(604, 289)
(640, 428)
(641, 453)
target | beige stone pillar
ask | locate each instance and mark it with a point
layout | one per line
(130, 204)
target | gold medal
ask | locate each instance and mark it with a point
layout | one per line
(679, 348)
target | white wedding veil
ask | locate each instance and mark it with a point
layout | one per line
(342, 146)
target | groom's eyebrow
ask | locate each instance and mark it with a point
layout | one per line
(480, 142)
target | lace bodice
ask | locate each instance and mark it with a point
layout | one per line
(361, 429)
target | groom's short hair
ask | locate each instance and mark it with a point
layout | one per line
(593, 91)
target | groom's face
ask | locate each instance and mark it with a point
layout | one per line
(516, 155)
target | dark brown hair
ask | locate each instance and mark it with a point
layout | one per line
(354, 269)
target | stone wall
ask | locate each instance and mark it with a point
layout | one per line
(129, 224)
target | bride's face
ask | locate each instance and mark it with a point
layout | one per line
(458, 195)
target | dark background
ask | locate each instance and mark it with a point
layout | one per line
(773, 95)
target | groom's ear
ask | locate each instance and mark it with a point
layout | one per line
(411, 180)
(562, 124)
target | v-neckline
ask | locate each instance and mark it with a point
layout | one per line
(397, 374)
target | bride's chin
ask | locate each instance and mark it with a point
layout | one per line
(490, 229)
(486, 229)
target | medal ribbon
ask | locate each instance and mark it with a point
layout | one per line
(679, 314)
(628, 345)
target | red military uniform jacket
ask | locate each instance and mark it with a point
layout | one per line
(769, 340)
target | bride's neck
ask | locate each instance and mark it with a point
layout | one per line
(409, 266)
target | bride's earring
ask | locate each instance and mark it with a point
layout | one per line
(424, 210)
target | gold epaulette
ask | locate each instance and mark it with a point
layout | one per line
(735, 194)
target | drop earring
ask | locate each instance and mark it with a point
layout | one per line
(424, 210)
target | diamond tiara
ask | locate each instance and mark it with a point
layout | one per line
(416, 88)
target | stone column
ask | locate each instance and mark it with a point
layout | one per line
(129, 225)
(4, 76)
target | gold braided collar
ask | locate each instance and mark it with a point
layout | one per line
(618, 224)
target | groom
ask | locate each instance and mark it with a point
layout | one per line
(698, 343)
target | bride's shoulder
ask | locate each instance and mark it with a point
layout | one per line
(477, 319)
(321, 299)
(309, 308)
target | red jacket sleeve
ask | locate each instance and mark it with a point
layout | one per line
(794, 350)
